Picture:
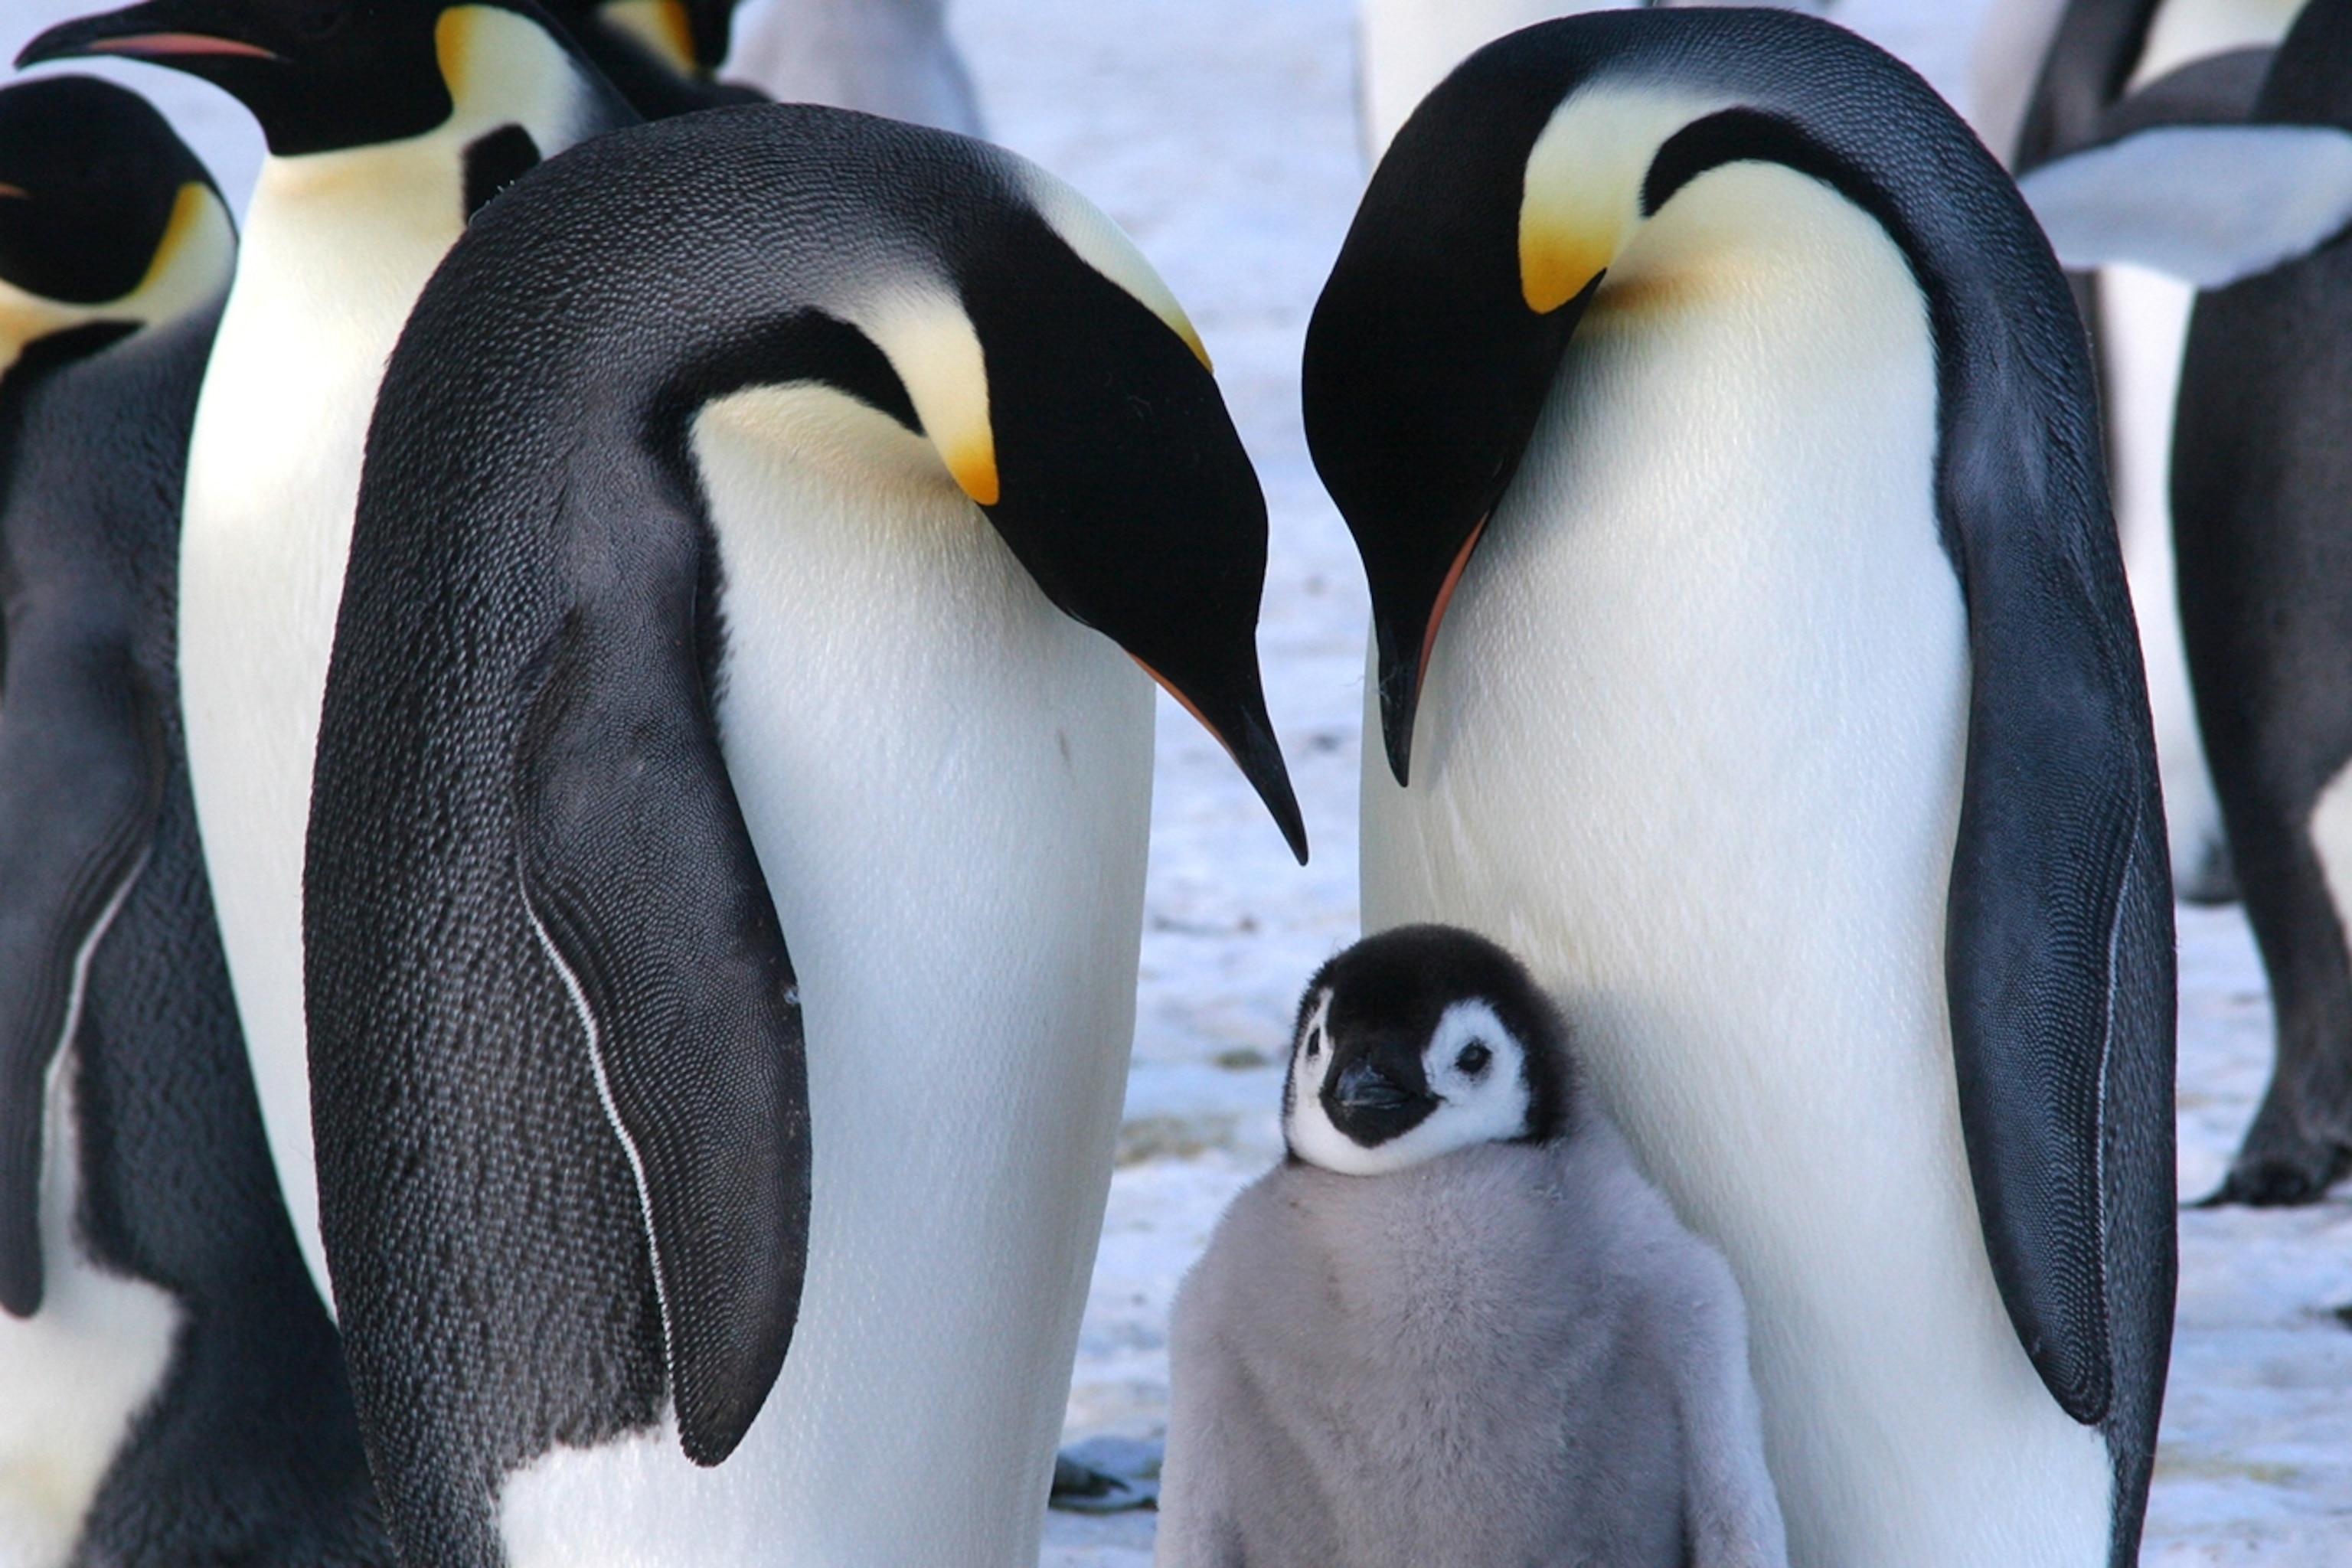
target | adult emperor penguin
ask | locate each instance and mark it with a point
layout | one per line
(1455, 1326)
(2256, 215)
(171, 1388)
(661, 55)
(1720, 439)
(389, 123)
(756, 511)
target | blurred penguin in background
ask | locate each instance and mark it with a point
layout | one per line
(1455, 1326)
(2252, 210)
(662, 55)
(2051, 79)
(171, 1391)
(891, 58)
(390, 123)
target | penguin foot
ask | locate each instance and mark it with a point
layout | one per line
(2279, 1179)
(1106, 1475)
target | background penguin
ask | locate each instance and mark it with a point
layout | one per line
(893, 57)
(739, 502)
(1697, 360)
(171, 1389)
(1456, 1325)
(2256, 213)
(389, 123)
(660, 55)
(2188, 60)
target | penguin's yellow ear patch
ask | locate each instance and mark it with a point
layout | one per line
(1581, 198)
(1105, 246)
(930, 342)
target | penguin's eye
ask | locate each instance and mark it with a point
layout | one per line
(1473, 1058)
(1314, 1044)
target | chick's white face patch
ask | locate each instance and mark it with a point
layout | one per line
(1476, 1067)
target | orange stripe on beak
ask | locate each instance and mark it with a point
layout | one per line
(177, 46)
(1445, 598)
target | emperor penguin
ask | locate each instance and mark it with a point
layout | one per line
(2190, 61)
(2255, 215)
(660, 55)
(171, 1388)
(727, 856)
(1455, 1327)
(893, 57)
(1751, 653)
(389, 123)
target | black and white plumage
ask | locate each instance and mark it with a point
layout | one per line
(726, 864)
(1456, 1326)
(2255, 213)
(1718, 433)
(389, 123)
(171, 1388)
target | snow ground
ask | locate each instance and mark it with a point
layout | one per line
(1221, 133)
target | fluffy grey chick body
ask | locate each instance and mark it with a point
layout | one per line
(1500, 1351)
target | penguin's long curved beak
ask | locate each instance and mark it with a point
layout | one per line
(185, 34)
(1120, 483)
(1417, 416)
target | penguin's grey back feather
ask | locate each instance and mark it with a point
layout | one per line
(1512, 1353)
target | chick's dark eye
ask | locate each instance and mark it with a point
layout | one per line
(1473, 1058)
(1315, 1043)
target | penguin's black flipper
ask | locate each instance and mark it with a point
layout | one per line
(2216, 90)
(642, 878)
(2050, 960)
(81, 777)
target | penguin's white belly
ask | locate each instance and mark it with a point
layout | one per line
(1692, 744)
(948, 784)
(324, 282)
(76, 1374)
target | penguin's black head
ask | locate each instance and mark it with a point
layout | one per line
(107, 222)
(91, 177)
(1066, 392)
(1518, 187)
(1417, 1042)
(1120, 481)
(325, 75)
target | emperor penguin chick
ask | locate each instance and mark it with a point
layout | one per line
(1456, 1326)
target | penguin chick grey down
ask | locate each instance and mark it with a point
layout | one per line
(1457, 1325)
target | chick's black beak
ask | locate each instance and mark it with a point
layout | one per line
(1377, 1094)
